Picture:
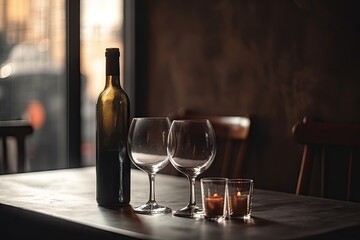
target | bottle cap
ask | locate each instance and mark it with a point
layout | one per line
(112, 61)
(112, 52)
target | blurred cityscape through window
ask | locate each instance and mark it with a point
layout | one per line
(33, 77)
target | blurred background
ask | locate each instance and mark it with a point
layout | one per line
(33, 75)
(276, 61)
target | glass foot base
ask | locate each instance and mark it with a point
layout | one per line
(189, 212)
(152, 208)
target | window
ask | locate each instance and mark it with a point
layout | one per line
(32, 84)
(101, 26)
(33, 72)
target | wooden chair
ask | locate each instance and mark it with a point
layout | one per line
(232, 134)
(336, 149)
(18, 129)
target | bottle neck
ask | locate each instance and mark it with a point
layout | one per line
(112, 66)
(112, 71)
(112, 81)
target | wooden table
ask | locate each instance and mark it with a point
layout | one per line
(61, 204)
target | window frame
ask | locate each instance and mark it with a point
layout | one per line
(73, 83)
(73, 73)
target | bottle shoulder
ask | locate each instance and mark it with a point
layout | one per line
(111, 93)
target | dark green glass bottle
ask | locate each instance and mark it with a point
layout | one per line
(112, 123)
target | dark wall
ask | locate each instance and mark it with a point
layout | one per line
(275, 60)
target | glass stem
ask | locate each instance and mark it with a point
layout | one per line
(192, 201)
(152, 187)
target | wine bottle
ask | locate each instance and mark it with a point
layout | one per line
(112, 123)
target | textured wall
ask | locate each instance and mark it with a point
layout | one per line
(275, 60)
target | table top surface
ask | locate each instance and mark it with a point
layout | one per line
(70, 195)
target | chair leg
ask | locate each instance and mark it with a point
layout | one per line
(348, 193)
(323, 172)
(304, 175)
(5, 156)
(238, 171)
(21, 154)
(227, 158)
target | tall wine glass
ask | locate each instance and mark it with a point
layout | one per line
(191, 148)
(147, 141)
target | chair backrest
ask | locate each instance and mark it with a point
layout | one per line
(18, 129)
(232, 134)
(333, 151)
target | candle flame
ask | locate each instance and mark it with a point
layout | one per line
(238, 194)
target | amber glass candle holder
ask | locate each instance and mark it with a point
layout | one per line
(240, 194)
(213, 193)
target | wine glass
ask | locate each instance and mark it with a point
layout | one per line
(191, 148)
(147, 142)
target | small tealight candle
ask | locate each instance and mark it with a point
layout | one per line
(239, 205)
(214, 205)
